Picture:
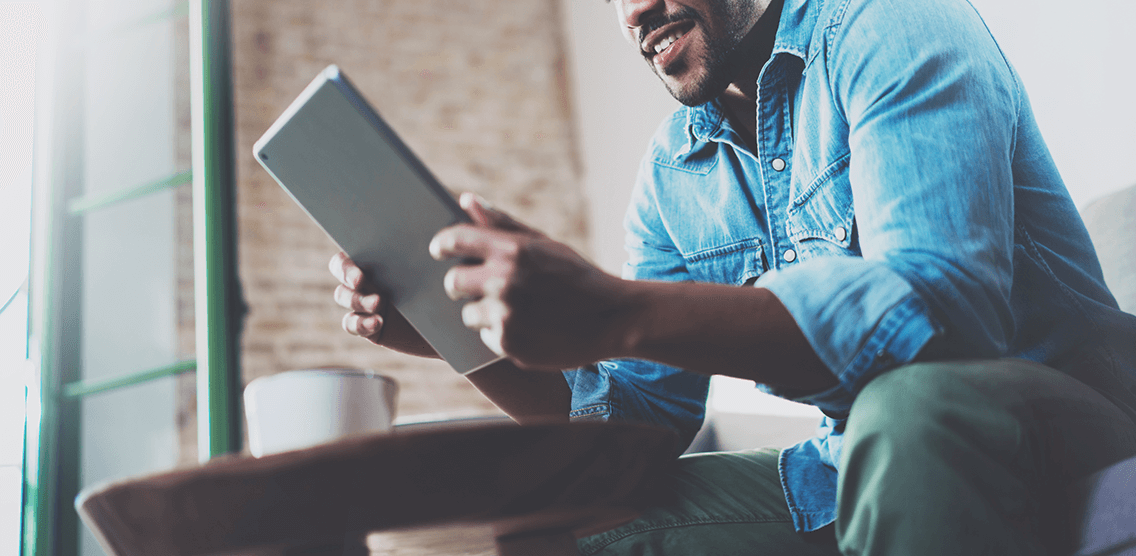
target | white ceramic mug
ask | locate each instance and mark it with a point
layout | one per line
(299, 409)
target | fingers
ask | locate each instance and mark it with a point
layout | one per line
(487, 317)
(464, 241)
(484, 214)
(491, 337)
(345, 270)
(366, 326)
(363, 319)
(473, 282)
(486, 313)
(350, 299)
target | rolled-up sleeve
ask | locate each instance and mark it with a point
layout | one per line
(931, 109)
(634, 390)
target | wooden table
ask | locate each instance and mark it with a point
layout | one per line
(530, 485)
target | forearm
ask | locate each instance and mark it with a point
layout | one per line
(718, 329)
(527, 397)
(544, 307)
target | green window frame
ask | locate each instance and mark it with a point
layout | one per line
(50, 524)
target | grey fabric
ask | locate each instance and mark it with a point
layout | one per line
(1112, 224)
(1105, 503)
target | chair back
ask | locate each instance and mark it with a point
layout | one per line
(1112, 225)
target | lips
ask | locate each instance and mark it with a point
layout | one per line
(662, 39)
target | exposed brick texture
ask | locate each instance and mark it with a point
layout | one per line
(183, 214)
(477, 89)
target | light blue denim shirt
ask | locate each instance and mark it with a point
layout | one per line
(900, 203)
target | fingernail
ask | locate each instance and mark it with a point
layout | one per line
(448, 284)
(354, 276)
(371, 303)
(436, 248)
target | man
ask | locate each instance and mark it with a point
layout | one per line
(855, 210)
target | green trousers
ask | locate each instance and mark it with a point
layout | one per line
(965, 458)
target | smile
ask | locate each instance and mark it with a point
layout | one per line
(663, 44)
(662, 39)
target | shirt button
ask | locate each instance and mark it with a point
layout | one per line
(840, 233)
(778, 164)
(790, 256)
(884, 359)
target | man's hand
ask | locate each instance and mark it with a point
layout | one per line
(533, 300)
(369, 317)
(541, 305)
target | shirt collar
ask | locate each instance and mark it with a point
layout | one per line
(795, 33)
(797, 27)
(704, 121)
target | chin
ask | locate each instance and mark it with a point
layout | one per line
(693, 87)
(692, 98)
(693, 93)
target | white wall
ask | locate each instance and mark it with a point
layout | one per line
(618, 104)
(1077, 62)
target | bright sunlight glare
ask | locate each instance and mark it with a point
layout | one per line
(22, 30)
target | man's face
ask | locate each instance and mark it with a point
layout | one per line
(690, 44)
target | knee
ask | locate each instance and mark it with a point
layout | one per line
(897, 402)
(914, 404)
(926, 460)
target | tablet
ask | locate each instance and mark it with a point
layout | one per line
(351, 173)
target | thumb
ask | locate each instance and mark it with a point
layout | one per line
(483, 214)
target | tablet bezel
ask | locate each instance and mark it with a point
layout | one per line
(460, 347)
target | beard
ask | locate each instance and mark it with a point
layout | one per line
(717, 67)
(718, 61)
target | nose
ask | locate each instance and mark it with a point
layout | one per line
(632, 13)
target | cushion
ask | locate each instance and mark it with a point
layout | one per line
(1112, 225)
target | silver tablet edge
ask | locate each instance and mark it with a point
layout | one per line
(333, 74)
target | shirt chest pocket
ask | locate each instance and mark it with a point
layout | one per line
(821, 220)
(736, 263)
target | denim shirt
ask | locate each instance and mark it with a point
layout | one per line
(900, 203)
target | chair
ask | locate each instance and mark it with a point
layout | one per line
(1104, 505)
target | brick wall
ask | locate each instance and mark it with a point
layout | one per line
(477, 89)
(186, 410)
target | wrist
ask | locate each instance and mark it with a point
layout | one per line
(627, 330)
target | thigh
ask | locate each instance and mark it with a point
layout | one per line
(720, 504)
(970, 457)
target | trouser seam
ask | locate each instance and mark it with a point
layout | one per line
(683, 523)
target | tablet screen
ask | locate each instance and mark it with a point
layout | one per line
(351, 173)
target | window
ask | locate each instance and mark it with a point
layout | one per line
(110, 257)
(23, 34)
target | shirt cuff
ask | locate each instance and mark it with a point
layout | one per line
(860, 317)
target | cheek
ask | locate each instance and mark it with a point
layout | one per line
(621, 21)
(629, 36)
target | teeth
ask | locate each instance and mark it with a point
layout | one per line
(666, 42)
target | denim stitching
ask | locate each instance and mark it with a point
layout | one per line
(589, 410)
(822, 178)
(741, 245)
